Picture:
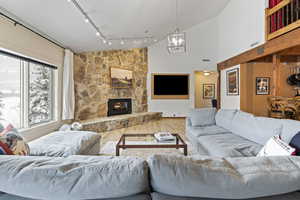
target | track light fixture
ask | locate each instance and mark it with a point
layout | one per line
(106, 40)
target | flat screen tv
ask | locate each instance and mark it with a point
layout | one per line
(170, 86)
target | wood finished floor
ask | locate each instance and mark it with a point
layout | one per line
(173, 125)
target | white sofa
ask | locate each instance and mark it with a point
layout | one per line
(234, 133)
(66, 143)
(226, 167)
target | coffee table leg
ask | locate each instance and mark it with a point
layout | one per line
(185, 151)
(123, 141)
(117, 151)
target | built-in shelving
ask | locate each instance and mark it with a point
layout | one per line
(282, 16)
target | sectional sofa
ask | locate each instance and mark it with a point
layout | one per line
(226, 167)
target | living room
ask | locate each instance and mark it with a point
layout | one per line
(104, 100)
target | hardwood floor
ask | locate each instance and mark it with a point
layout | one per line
(173, 125)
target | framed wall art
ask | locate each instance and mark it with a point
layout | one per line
(232, 79)
(262, 85)
(208, 91)
(121, 78)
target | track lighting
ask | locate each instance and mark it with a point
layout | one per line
(106, 40)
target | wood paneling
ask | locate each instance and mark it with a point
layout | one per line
(246, 88)
(286, 41)
(258, 104)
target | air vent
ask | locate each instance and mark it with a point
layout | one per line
(260, 50)
(206, 60)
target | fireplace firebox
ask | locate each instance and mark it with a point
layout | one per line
(119, 107)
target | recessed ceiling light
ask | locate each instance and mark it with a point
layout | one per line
(69, 0)
(104, 41)
(122, 42)
(206, 73)
(86, 20)
(109, 43)
(97, 33)
(155, 40)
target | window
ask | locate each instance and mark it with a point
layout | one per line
(26, 91)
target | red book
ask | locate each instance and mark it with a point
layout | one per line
(279, 17)
(272, 3)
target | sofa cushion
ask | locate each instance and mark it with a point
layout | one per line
(64, 143)
(202, 116)
(74, 177)
(228, 178)
(256, 129)
(224, 118)
(134, 197)
(206, 130)
(289, 129)
(228, 145)
(159, 196)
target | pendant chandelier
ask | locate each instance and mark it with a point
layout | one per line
(176, 40)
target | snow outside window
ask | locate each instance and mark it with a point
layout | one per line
(26, 92)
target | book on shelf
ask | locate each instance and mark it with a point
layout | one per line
(164, 137)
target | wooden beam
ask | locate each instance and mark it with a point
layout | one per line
(295, 51)
(267, 25)
(286, 41)
(276, 75)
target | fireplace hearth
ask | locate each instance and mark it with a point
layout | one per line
(119, 107)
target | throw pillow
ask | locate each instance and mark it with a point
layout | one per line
(11, 143)
(276, 147)
(203, 116)
(295, 143)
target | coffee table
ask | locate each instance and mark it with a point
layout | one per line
(177, 144)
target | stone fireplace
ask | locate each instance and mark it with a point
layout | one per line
(93, 88)
(119, 107)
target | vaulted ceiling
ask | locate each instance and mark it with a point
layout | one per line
(62, 21)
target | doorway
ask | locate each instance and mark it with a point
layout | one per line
(205, 88)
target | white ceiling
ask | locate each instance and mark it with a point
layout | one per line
(61, 21)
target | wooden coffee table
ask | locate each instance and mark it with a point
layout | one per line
(177, 144)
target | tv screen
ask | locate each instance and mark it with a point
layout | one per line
(171, 84)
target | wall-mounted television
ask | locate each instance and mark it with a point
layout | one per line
(170, 86)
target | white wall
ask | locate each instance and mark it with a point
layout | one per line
(232, 32)
(201, 43)
(240, 24)
(229, 102)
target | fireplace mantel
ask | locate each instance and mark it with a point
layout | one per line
(119, 121)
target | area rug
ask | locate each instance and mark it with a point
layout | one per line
(110, 149)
